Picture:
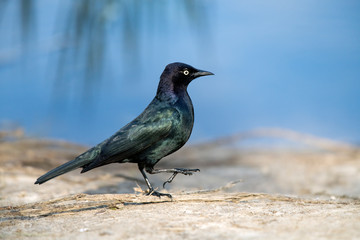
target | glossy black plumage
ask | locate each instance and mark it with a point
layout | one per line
(161, 129)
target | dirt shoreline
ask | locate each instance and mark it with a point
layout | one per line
(256, 193)
(190, 216)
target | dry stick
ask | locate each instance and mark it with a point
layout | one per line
(225, 187)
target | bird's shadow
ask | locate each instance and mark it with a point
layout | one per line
(18, 213)
(74, 204)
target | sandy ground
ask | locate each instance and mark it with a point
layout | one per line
(309, 190)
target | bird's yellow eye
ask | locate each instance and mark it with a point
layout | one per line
(186, 72)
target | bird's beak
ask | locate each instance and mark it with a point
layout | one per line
(201, 73)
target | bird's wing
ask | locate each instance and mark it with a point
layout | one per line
(136, 137)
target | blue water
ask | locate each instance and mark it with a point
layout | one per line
(288, 64)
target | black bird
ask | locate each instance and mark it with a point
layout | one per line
(161, 129)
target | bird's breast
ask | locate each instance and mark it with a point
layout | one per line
(186, 110)
(179, 134)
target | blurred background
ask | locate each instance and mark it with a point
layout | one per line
(80, 70)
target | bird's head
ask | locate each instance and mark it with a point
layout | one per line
(177, 76)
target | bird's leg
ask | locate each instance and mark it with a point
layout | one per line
(174, 171)
(151, 189)
(170, 179)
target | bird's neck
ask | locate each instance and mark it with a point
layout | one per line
(168, 92)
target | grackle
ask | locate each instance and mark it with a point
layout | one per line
(161, 129)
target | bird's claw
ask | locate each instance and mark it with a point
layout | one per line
(184, 171)
(158, 194)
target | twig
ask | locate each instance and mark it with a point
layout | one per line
(225, 187)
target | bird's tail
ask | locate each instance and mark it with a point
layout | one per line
(81, 161)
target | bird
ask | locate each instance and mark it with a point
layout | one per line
(161, 129)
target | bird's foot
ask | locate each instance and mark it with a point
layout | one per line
(158, 194)
(184, 171)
